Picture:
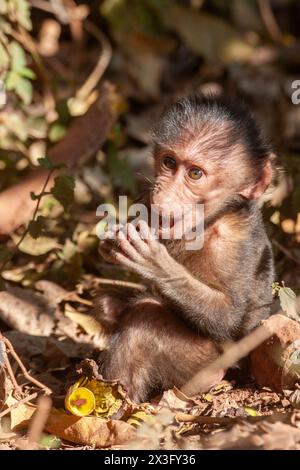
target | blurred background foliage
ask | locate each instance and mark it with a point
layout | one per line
(55, 57)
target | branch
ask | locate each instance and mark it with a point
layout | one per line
(270, 20)
(23, 368)
(233, 354)
(39, 198)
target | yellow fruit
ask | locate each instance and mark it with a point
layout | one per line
(91, 396)
(80, 401)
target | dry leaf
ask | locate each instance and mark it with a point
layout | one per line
(36, 247)
(89, 430)
(175, 401)
(27, 345)
(206, 34)
(88, 323)
(21, 415)
(26, 311)
(139, 417)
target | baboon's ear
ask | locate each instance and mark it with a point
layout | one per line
(265, 179)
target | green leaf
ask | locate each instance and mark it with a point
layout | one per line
(26, 72)
(57, 132)
(18, 56)
(46, 163)
(3, 7)
(120, 169)
(11, 80)
(33, 196)
(63, 190)
(250, 411)
(276, 286)
(5, 29)
(17, 78)
(20, 10)
(69, 265)
(69, 250)
(20, 85)
(37, 227)
(17, 126)
(24, 90)
(48, 441)
(37, 247)
(37, 127)
(4, 57)
(288, 303)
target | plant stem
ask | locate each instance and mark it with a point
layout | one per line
(39, 198)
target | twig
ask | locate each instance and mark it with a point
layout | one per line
(53, 6)
(269, 20)
(41, 5)
(26, 40)
(2, 266)
(5, 361)
(12, 377)
(42, 193)
(118, 283)
(106, 52)
(5, 436)
(233, 354)
(23, 368)
(75, 20)
(188, 418)
(102, 64)
(287, 253)
(19, 402)
(39, 420)
(197, 4)
(73, 297)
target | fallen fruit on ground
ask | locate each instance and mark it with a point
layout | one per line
(80, 401)
(93, 396)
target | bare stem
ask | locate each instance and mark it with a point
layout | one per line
(269, 20)
(23, 368)
(39, 198)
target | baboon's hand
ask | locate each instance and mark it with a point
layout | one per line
(108, 246)
(141, 253)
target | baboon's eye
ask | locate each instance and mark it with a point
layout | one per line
(195, 173)
(169, 162)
